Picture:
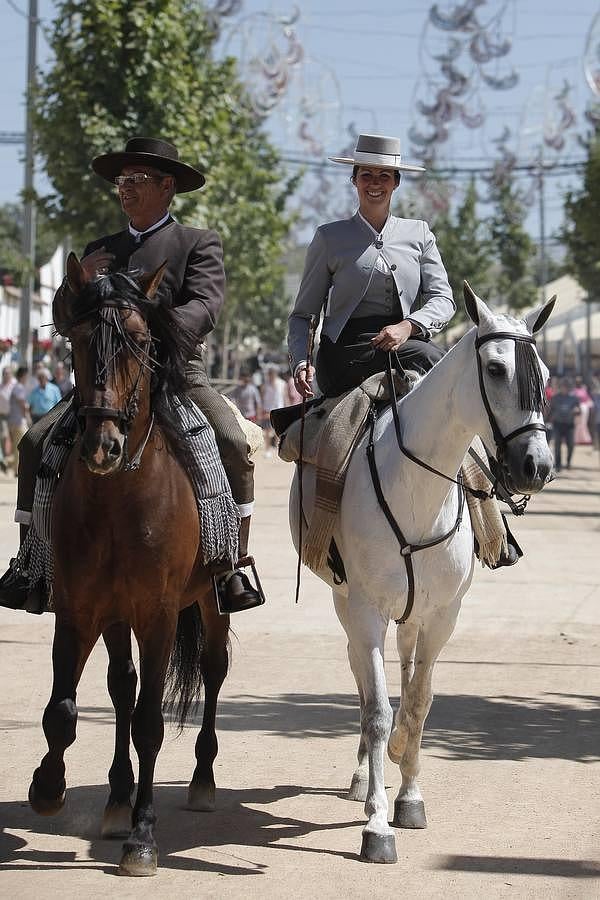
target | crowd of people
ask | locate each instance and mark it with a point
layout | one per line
(572, 416)
(268, 387)
(24, 398)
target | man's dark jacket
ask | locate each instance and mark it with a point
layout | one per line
(195, 277)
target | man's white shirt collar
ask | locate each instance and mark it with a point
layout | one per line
(138, 234)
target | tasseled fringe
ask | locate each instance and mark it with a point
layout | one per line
(35, 560)
(219, 526)
(529, 377)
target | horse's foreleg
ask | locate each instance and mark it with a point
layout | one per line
(360, 778)
(366, 627)
(214, 662)
(406, 639)
(70, 651)
(409, 809)
(122, 681)
(140, 853)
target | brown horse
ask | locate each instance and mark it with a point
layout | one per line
(127, 552)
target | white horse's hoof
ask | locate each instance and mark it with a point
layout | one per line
(202, 798)
(409, 814)
(358, 788)
(378, 848)
(116, 821)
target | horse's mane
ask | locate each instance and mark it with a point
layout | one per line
(172, 347)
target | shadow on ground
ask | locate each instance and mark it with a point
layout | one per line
(462, 726)
(178, 831)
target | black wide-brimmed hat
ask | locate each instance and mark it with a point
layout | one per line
(153, 152)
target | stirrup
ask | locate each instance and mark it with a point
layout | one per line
(220, 586)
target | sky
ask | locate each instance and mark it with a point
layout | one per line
(349, 68)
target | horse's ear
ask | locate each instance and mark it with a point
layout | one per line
(75, 275)
(538, 318)
(470, 302)
(149, 283)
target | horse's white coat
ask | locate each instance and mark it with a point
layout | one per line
(439, 419)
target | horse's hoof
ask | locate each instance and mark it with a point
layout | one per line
(378, 848)
(201, 797)
(42, 804)
(116, 821)
(139, 860)
(358, 788)
(409, 814)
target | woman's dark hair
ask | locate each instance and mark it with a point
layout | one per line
(355, 173)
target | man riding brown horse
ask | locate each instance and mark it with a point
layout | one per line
(148, 174)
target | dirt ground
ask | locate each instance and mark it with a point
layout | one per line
(510, 768)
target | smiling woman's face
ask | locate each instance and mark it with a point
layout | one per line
(375, 187)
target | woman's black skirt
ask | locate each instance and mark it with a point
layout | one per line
(342, 365)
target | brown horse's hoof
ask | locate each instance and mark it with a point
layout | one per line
(138, 860)
(116, 821)
(409, 814)
(201, 797)
(42, 804)
(378, 848)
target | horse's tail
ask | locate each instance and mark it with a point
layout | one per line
(184, 674)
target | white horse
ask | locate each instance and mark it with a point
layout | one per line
(476, 389)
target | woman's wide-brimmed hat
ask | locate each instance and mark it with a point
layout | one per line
(153, 152)
(377, 150)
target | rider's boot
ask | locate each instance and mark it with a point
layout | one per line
(14, 584)
(506, 558)
(235, 591)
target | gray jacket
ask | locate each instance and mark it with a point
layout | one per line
(339, 265)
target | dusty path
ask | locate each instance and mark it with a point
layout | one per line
(511, 772)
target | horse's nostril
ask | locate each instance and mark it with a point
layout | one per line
(529, 467)
(114, 451)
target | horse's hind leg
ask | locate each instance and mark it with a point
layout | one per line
(409, 809)
(140, 853)
(214, 663)
(70, 651)
(122, 681)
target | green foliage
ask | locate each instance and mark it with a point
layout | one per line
(12, 260)
(465, 247)
(514, 250)
(582, 229)
(145, 67)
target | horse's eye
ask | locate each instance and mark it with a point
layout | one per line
(496, 370)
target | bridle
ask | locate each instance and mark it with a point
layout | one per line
(501, 440)
(125, 416)
(498, 477)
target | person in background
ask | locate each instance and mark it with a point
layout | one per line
(62, 379)
(44, 396)
(564, 407)
(595, 412)
(273, 397)
(18, 414)
(246, 397)
(582, 433)
(6, 385)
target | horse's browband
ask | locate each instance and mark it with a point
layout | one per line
(503, 336)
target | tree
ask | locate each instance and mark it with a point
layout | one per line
(513, 248)
(581, 233)
(12, 260)
(145, 67)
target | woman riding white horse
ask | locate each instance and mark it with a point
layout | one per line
(490, 384)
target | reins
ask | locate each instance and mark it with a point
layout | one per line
(499, 487)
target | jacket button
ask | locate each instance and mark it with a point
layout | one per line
(393, 267)
(378, 244)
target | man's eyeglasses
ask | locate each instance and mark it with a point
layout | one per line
(137, 178)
